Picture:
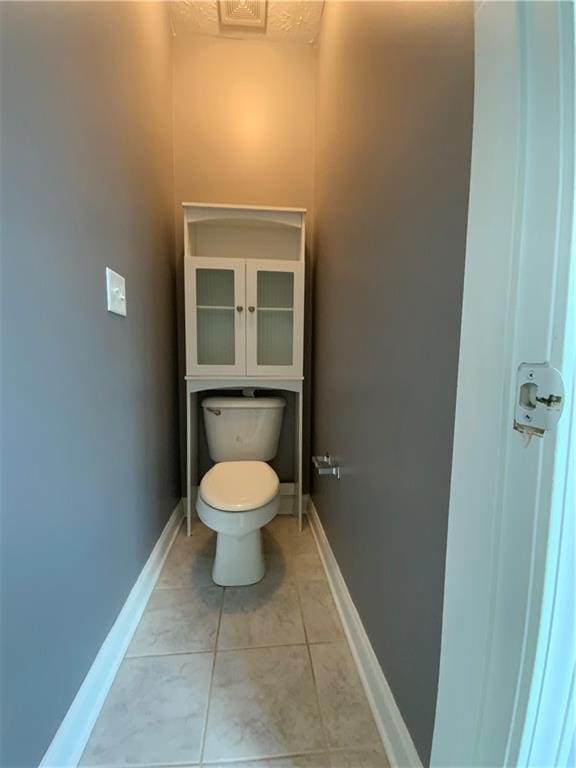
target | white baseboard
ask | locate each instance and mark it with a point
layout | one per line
(72, 736)
(397, 742)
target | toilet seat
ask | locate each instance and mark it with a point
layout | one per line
(238, 486)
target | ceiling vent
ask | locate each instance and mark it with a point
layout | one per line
(243, 13)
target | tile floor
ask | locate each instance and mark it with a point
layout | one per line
(248, 677)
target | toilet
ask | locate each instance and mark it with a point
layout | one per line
(240, 494)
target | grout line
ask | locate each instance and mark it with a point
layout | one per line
(261, 758)
(186, 764)
(361, 748)
(185, 586)
(262, 647)
(322, 724)
(233, 650)
(209, 700)
(243, 760)
(161, 654)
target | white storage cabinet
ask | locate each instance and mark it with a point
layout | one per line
(244, 283)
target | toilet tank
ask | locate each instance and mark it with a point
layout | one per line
(243, 428)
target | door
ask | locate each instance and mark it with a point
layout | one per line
(274, 322)
(507, 484)
(215, 317)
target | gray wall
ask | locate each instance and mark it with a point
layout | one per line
(89, 421)
(395, 95)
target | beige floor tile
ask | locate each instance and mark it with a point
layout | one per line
(284, 531)
(363, 758)
(190, 560)
(289, 558)
(154, 712)
(320, 615)
(277, 566)
(345, 710)
(178, 621)
(263, 703)
(295, 761)
(261, 615)
(307, 566)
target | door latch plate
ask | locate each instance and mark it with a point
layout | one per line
(539, 398)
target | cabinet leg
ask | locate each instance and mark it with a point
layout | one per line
(188, 464)
(299, 429)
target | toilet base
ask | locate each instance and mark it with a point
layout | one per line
(239, 560)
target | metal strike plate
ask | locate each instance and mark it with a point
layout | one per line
(539, 398)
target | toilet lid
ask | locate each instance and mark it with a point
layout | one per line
(235, 486)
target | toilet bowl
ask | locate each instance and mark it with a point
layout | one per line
(236, 499)
(239, 494)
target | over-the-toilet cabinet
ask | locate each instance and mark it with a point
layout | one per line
(244, 284)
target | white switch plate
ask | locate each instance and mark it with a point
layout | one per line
(116, 292)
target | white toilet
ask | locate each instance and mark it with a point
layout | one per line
(240, 494)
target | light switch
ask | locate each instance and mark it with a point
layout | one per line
(116, 292)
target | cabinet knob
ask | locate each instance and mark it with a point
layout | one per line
(239, 309)
(250, 309)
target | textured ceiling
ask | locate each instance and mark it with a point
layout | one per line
(290, 21)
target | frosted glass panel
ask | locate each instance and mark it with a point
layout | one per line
(215, 341)
(276, 289)
(215, 287)
(275, 333)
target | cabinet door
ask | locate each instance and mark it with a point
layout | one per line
(215, 317)
(274, 322)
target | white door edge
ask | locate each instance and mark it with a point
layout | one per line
(517, 261)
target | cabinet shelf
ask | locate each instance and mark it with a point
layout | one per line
(246, 223)
(231, 309)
